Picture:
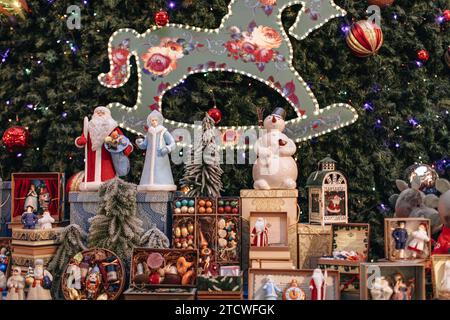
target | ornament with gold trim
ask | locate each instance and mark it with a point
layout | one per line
(365, 38)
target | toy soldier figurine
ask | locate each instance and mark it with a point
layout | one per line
(400, 235)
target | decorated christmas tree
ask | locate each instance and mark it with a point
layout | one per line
(203, 172)
(116, 226)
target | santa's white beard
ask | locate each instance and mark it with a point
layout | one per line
(260, 226)
(99, 129)
(38, 272)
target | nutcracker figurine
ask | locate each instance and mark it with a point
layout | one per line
(93, 282)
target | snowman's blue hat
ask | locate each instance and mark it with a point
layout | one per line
(279, 112)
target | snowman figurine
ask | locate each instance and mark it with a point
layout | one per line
(275, 168)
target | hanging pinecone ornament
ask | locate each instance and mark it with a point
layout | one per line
(365, 38)
(381, 3)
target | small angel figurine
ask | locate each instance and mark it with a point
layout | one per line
(45, 223)
(402, 291)
(16, 285)
(271, 290)
(31, 198)
(419, 239)
(29, 218)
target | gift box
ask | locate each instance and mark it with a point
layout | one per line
(314, 241)
(347, 237)
(220, 287)
(152, 208)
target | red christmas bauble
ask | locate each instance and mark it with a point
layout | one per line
(161, 18)
(216, 114)
(381, 3)
(423, 55)
(16, 138)
(446, 15)
(365, 38)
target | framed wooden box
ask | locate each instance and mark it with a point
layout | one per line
(184, 231)
(277, 233)
(43, 190)
(440, 264)
(220, 287)
(163, 268)
(417, 245)
(380, 277)
(314, 241)
(282, 279)
(347, 237)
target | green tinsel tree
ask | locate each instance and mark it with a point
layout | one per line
(55, 70)
(71, 241)
(203, 174)
(116, 226)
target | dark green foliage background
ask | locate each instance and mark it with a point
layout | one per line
(68, 83)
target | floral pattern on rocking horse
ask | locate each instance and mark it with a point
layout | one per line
(250, 41)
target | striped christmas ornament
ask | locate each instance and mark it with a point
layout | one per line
(365, 38)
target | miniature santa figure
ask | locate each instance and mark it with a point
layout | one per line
(419, 238)
(16, 285)
(259, 236)
(334, 206)
(99, 165)
(45, 223)
(317, 284)
(93, 282)
(42, 283)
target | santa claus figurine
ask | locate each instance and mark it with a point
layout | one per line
(334, 206)
(317, 284)
(41, 284)
(99, 163)
(259, 236)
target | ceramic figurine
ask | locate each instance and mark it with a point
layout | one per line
(418, 242)
(93, 282)
(293, 292)
(317, 285)
(32, 198)
(445, 282)
(271, 290)
(99, 163)
(259, 235)
(275, 168)
(16, 285)
(400, 235)
(74, 271)
(45, 223)
(157, 173)
(380, 289)
(4, 260)
(42, 283)
(2, 285)
(44, 198)
(402, 291)
(29, 218)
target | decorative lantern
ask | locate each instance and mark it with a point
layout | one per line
(328, 195)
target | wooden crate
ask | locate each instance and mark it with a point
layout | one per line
(154, 294)
(438, 262)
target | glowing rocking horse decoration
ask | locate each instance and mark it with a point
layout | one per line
(250, 40)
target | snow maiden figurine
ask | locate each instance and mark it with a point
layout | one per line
(99, 164)
(16, 285)
(271, 291)
(275, 167)
(157, 173)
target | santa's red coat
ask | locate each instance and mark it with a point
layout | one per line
(314, 291)
(261, 239)
(443, 243)
(107, 168)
